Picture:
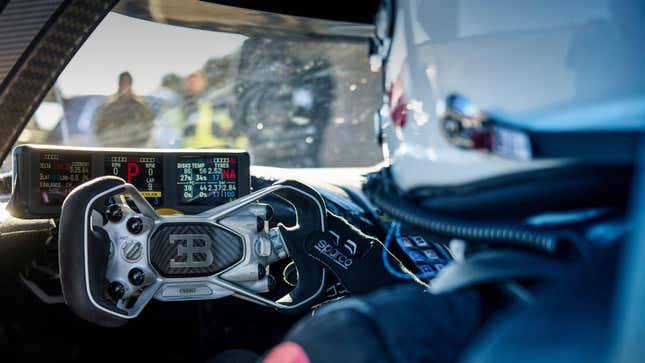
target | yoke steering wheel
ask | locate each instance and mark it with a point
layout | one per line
(116, 253)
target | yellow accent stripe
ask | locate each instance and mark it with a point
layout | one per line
(167, 211)
(151, 194)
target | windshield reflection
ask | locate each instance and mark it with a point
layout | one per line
(290, 103)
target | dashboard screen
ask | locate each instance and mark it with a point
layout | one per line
(59, 174)
(144, 172)
(207, 180)
(172, 180)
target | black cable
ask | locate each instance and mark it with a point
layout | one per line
(364, 204)
(551, 242)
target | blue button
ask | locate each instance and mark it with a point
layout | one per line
(405, 242)
(426, 269)
(417, 256)
(431, 254)
(420, 241)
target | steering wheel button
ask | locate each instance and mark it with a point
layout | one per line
(116, 290)
(263, 247)
(405, 242)
(431, 254)
(135, 225)
(136, 276)
(114, 213)
(180, 291)
(132, 251)
(420, 241)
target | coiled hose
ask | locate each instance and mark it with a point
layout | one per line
(551, 242)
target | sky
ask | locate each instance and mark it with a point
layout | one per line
(146, 49)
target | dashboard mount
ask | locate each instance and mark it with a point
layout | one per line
(116, 253)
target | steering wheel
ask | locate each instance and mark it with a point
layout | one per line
(116, 253)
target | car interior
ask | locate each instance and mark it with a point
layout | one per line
(185, 179)
(169, 178)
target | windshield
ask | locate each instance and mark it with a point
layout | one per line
(289, 102)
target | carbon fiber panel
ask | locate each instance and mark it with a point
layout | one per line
(188, 250)
(20, 22)
(29, 80)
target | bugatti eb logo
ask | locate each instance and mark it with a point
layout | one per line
(193, 250)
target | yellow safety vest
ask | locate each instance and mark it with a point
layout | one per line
(203, 136)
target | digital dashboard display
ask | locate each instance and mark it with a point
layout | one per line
(144, 172)
(59, 174)
(172, 180)
(207, 180)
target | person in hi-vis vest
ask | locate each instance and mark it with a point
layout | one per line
(207, 123)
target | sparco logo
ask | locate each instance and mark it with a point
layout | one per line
(333, 253)
(196, 253)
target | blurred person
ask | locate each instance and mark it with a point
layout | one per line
(207, 121)
(124, 120)
(284, 94)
